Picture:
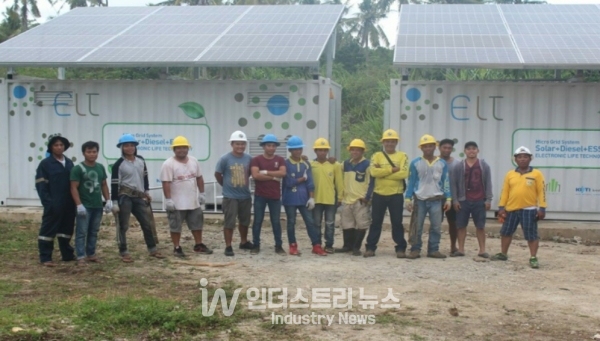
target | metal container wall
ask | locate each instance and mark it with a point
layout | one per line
(206, 112)
(558, 122)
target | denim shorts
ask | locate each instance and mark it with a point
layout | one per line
(475, 209)
(528, 220)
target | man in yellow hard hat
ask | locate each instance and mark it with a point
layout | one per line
(358, 189)
(429, 187)
(390, 170)
(329, 188)
(183, 188)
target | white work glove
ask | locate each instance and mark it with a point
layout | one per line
(311, 203)
(264, 172)
(108, 207)
(170, 205)
(408, 205)
(81, 211)
(115, 207)
(148, 196)
(202, 199)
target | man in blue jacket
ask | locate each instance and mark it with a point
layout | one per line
(428, 182)
(297, 195)
(53, 185)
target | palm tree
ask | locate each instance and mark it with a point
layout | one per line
(10, 25)
(365, 23)
(26, 8)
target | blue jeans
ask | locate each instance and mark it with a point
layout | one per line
(329, 211)
(87, 233)
(313, 233)
(434, 208)
(260, 203)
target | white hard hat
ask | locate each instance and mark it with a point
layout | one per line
(238, 135)
(522, 150)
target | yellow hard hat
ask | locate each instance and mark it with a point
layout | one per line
(180, 141)
(427, 139)
(321, 143)
(390, 134)
(357, 143)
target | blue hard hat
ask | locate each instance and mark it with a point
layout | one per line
(295, 142)
(269, 138)
(127, 138)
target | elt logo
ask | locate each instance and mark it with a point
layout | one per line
(553, 186)
(583, 189)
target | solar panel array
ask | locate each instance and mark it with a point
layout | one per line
(285, 35)
(499, 36)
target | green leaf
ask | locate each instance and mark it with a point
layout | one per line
(192, 110)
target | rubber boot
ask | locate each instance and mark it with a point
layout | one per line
(359, 237)
(349, 236)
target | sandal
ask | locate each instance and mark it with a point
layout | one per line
(157, 254)
(48, 264)
(93, 259)
(81, 262)
(457, 254)
(126, 259)
(484, 255)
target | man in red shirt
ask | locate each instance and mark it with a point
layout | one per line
(267, 171)
(471, 185)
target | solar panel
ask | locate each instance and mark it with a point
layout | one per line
(286, 35)
(507, 36)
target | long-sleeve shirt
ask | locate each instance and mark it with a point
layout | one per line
(131, 174)
(523, 191)
(428, 180)
(295, 193)
(457, 181)
(329, 182)
(386, 182)
(53, 184)
(358, 183)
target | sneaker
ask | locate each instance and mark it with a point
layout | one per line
(329, 249)
(318, 250)
(255, 250)
(533, 262)
(436, 254)
(414, 255)
(247, 246)
(178, 252)
(369, 253)
(202, 249)
(500, 256)
(400, 254)
(229, 251)
(294, 249)
(280, 251)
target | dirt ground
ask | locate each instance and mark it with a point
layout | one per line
(491, 300)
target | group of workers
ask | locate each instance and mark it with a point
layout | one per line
(365, 190)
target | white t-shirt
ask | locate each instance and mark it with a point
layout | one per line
(182, 176)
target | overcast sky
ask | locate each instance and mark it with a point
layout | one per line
(389, 25)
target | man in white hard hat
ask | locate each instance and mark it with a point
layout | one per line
(233, 173)
(523, 200)
(183, 188)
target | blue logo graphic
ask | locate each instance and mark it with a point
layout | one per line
(413, 94)
(278, 105)
(19, 91)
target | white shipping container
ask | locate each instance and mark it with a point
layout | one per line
(558, 122)
(206, 112)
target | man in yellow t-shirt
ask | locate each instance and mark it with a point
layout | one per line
(329, 185)
(523, 200)
(390, 170)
